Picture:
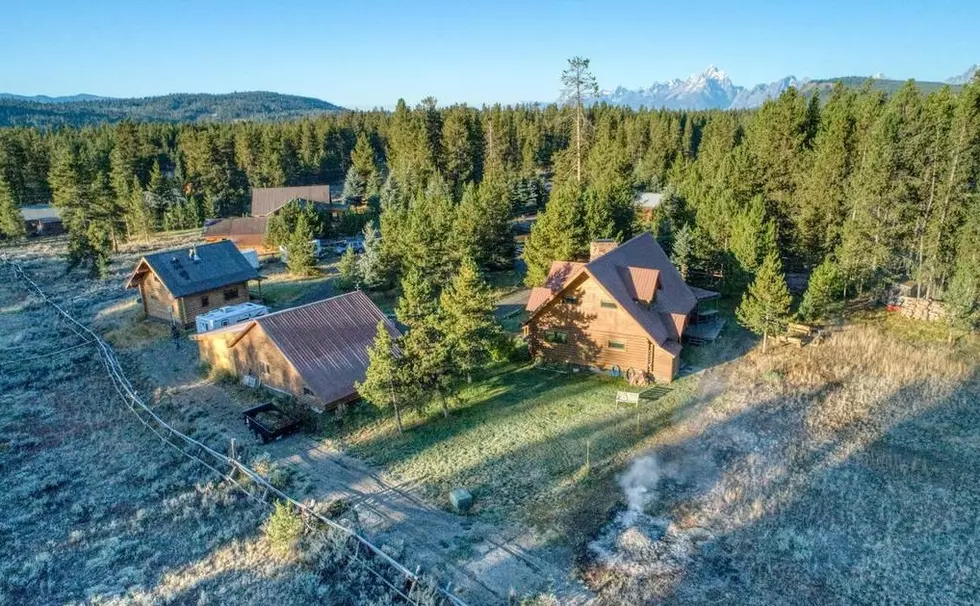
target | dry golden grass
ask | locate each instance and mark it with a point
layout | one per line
(837, 473)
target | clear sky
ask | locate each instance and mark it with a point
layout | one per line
(366, 53)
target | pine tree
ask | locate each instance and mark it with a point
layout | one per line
(823, 291)
(355, 187)
(349, 270)
(139, 214)
(386, 382)
(467, 320)
(482, 229)
(424, 346)
(753, 235)
(682, 253)
(11, 223)
(962, 298)
(557, 235)
(764, 308)
(579, 85)
(300, 258)
(370, 264)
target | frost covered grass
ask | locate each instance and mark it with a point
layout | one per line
(99, 510)
(839, 473)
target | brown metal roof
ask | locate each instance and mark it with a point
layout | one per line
(640, 257)
(327, 341)
(237, 226)
(267, 200)
(561, 273)
(641, 282)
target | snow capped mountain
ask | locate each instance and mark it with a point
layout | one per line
(965, 76)
(710, 89)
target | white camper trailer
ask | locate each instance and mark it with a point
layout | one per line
(228, 315)
(252, 256)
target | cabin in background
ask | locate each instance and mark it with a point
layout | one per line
(177, 285)
(42, 220)
(245, 232)
(627, 309)
(267, 200)
(314, 352)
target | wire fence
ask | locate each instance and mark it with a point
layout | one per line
(224, 466)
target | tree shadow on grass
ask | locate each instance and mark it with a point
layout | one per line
(882, 511)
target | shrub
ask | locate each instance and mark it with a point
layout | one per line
(283, 529)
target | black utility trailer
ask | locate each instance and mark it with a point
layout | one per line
(269, 422)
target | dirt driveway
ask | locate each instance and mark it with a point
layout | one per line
(486, 564)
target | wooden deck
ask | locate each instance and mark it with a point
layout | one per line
(704, 332)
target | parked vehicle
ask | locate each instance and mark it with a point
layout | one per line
(269, 422)
(228, 315)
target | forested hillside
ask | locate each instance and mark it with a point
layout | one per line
(81, 111)
(866, 187)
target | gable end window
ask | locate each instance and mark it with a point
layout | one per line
(616, 345)
(608, 304)
(570, 299)
(205, 301)
(231, 293)
(556, 336)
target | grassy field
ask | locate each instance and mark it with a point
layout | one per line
(98, 509)
(531, 444)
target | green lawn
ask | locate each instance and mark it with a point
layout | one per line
(519, 441)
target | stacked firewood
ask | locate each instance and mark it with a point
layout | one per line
(921, 309)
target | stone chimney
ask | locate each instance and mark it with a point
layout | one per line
(600, 247)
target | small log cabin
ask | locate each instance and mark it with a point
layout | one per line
(627, 308)
(315, 352)
(177, 285)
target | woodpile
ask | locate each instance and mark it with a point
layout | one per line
(921, 309)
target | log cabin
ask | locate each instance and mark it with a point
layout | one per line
(266, 201)
(626, 309)
(314, 352)
(177, 285)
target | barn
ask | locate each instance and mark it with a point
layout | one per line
(177, 285)
(314, 352)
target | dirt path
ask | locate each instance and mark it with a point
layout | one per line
(486, 564)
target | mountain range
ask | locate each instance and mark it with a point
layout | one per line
(79, 110)
(713, 89)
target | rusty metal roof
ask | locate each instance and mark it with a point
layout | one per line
(326, 341)
(212, 266)
(267, 200)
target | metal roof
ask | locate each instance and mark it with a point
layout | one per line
(217, 264)
(633, 271)
(40, 212)
(648, 199)
(237, 226)
(267, 200)
(327, 341)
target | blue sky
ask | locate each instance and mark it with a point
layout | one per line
(370, 53)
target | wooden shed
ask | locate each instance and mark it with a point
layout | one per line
(627, 308)
(177, 285)
(315, 352)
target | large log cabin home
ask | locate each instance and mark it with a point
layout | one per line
(314, 352)
(177, 285)
(625, 310)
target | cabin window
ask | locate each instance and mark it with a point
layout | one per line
(265, 368)
(608, 304)
(556, 336)
(307, 391)
(616, 345)
(231, 293)
(570, 299)
(205, 301)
